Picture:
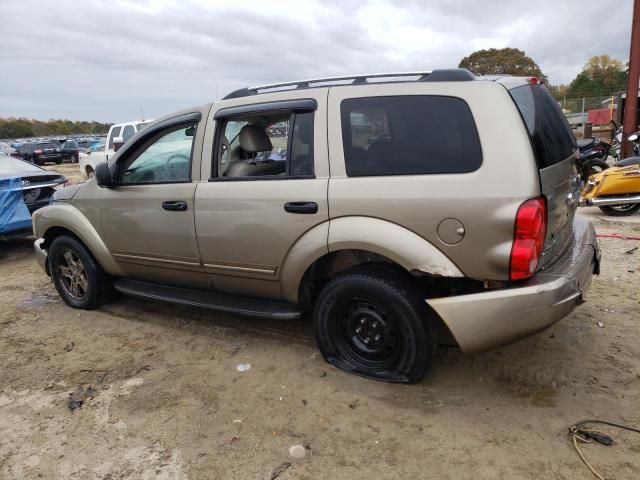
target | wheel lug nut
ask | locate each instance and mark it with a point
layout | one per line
(358, 330)
(374, 325)
(366, 341)
(362, 321)
(377, 338)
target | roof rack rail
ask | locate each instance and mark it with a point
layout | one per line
(443, 75)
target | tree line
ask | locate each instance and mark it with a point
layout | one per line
(24, 128)
(601, 75)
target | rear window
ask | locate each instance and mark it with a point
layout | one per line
(47, 145)
(550, 134)
(409, 135)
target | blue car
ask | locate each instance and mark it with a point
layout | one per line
(24, 187)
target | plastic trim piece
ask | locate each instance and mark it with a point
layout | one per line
(299, 105)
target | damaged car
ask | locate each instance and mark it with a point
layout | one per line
(395, 211)
(24, 188)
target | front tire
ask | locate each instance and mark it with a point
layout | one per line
(78, 278)
(373, 322)
(620, 210)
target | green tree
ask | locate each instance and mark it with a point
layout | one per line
(493, 61)
(600, 76)
(24, 128)
(13, 128)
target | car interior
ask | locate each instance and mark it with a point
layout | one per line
(259, 145)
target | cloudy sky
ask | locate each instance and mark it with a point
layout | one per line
(104, 60)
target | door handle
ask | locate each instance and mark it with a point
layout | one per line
(175, 205)
(301, 207)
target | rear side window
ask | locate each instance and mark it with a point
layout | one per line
(550, 134)
(409, 135)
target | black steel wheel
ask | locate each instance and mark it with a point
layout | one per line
(620, 210)
(78, 278)
(371, 321)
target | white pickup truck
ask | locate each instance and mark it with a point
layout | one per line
(117, 136)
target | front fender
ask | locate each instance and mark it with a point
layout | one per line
(65, 215)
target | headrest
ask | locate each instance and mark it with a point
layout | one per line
(254, 139)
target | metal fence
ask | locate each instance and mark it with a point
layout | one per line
(596, 110)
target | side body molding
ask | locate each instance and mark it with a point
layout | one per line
(67, 216)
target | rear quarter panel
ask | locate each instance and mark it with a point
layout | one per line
(484, 201)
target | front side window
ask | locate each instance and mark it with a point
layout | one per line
(409, 135)
(165, 158)
(266, 145)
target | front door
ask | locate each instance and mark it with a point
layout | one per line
(268, 188)
(148, 218)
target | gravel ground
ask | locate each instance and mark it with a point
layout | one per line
(160, 396)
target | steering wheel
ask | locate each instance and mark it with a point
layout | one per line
(170, 167)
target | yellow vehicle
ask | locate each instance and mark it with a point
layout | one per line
(616, 191)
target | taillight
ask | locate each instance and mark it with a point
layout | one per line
(533, 80)
(528, 238)
(37, 152)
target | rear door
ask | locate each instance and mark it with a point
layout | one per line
(258, 204)
(554, 146)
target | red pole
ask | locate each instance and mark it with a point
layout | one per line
(629, 124)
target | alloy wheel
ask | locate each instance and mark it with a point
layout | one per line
(72, 274)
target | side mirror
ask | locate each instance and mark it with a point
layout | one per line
(117, 143)
(103, 175)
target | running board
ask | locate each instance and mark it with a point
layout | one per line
(217, 302)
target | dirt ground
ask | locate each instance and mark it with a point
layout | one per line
(162, 397)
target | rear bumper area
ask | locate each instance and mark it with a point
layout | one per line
(482, 321)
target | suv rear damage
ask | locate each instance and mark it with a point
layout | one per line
(394, 208)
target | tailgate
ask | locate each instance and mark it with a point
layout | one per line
(555, 149)
(560, 185)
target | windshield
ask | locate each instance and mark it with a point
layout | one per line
(12, 167)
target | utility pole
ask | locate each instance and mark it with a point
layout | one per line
(629, 124)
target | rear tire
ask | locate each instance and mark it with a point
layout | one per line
(78, 278)
(373, 322)
(620, 210)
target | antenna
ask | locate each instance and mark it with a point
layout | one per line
(141, 114)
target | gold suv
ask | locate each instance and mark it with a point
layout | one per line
(393, 208)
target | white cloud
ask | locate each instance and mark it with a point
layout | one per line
(104, 59)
